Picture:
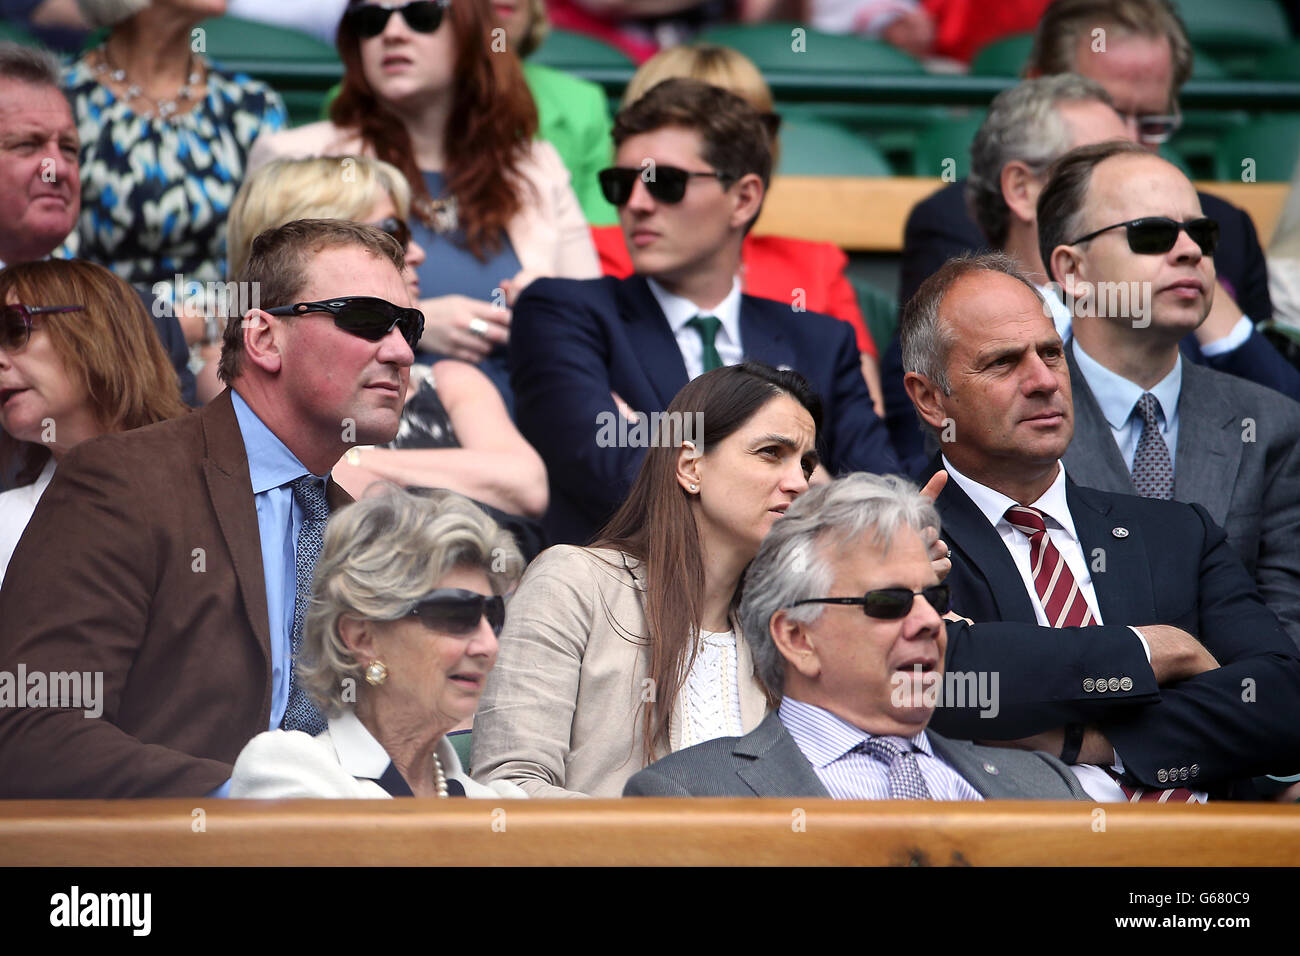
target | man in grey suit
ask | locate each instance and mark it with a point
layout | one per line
(1122, 231)
(842, 612)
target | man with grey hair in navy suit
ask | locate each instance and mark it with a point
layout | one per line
(842, 612)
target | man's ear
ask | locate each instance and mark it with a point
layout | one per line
(1067, 267)
(749, 199)
(1020, 189)
(927, 397)
(795, 643)
(688, 467)
(263, 340)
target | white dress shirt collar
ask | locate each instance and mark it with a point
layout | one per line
(994, 504)
(679, 310)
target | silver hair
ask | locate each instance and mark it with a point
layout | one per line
(1023, 125)
(796, 560)
(28, 65)
(381, 555)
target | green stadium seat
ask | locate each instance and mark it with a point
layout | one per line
(12, 33)
(947, 139)
(260, 48)
(1282, 64)
(879, 311)
(813, 147)
(1236, 33)
(1005, 57)
(460, 742)
(563, 50)
(1273, 142)
(776, 47)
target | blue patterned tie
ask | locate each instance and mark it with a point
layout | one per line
(309, 492)
(905, 780)
(1153, 473)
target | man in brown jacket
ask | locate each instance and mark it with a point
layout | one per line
(174, 562)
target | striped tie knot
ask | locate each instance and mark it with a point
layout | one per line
(1027, 520)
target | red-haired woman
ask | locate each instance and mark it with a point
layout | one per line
(424, 89)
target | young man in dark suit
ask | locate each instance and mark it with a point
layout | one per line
(691, 171)
(1203, 690)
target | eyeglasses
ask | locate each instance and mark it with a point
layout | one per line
(397, 228)
(16, 322)
(664, 183)
(1155, 128)
(364, 316)
(891, 604)
(422, 16)
(457, 611)
(1157, 234)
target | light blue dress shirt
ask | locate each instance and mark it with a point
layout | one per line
(271, 466)
(1117, 397)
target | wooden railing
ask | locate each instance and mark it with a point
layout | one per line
(641, 832)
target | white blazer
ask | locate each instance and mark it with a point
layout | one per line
(343, 761)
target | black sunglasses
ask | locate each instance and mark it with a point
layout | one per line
(457, 611)
(664, 183)
(422, 16)
(16, 322)
(395, 227)
(891, 604)
(364, 316)
(1157, 234)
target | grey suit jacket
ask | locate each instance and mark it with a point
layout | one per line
(768, 763)
(1238, 457)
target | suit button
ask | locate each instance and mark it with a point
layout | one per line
(1182, 773)
(1101, 685)
(1162, 776)
(1087, 685)
(1126, 683)
(1113, 683)
(1195, 768)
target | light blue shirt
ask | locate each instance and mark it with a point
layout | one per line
(1118, 397)
(828, 742)
(271, 466)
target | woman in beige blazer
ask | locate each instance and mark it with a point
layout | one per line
(428, 93)
(615, 655)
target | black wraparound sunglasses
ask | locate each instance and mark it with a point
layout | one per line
(364, 316)
(422, 16)
(890, 604)
(457, 611)
(16, 322)
(395, 227)
(664, 183)
(1157, 234)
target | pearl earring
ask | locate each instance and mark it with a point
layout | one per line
(376, 673)
(694, 488)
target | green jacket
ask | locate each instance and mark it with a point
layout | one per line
(573, 116)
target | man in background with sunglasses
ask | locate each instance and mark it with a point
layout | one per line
(692, 167)
(1114, 218)
(177, 560)
(853, 645)
(1203, 691)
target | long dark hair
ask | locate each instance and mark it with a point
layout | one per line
(655, 523)
(489, 130)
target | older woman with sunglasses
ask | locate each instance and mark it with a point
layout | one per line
(425, 89)
(455, 432)
(399, 640)
(79, 357)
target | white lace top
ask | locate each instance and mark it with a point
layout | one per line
(711, 693)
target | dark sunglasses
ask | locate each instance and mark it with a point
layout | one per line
(891, 604)
(664, 183)
(457, 611)
(16, 322)
(397, 228)
(422, 16)
(364, 316)
(1158, 234)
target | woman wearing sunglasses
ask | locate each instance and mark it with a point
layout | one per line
(424, 89)
(455, 432)
(400, 637)
(618, 654)
(79, 357)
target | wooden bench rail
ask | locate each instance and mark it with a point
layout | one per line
(641, 832)
(867, 214)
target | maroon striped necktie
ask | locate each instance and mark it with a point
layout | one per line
(1066, 606)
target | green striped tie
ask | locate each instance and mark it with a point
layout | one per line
(707, 326)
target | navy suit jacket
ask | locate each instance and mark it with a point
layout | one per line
(573, 341)
(1170, 564)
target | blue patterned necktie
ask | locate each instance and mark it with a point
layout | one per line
(905, 780)
(1153, 473)
(309, 493)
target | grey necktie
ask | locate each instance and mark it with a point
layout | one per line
(309, 492)
(905, 780)
(1153, 473)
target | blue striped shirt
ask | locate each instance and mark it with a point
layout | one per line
(828, 742)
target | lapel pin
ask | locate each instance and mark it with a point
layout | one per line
(1119, 532)
(989, 768)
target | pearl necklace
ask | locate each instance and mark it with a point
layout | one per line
(439, 778)
(164, 108)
